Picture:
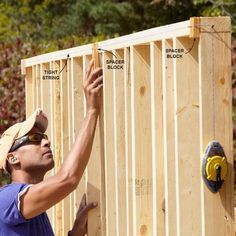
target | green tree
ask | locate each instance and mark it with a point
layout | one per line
(33, 27)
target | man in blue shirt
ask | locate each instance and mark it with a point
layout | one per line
(26, 154)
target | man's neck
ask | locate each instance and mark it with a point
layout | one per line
(24, 177)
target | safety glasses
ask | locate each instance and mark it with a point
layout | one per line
(31, 138)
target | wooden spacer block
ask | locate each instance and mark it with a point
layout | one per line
(95, 55)
(195, 27)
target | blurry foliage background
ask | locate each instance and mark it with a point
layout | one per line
(33, 27)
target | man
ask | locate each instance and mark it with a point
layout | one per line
(26, 154)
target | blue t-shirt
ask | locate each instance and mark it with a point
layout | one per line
(12, 223)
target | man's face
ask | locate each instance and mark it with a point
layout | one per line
(35, 156)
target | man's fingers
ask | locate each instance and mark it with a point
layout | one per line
(96, 82)
(89, 69)
(94, 74)
(90, 206)
(82, 203)
(98, 88)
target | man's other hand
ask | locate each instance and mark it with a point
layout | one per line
(81, 221)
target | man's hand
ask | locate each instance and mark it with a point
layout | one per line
(92, 84)
(81, 221)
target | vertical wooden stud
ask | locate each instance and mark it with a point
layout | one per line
(94, 181)
(34, 87)
(29, 91)
(157, 139)
(109, 148)
(37, 87)
(52, 128)
(141, 109)
(119, 127)
(68, 71)
(57, 135)
(187, 137)
(128, 149)
(45, 93)
(66, 224)
(95, 55)
(77, 115)
(216, 119)
(169, 139)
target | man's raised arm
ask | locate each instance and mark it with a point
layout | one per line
(47, 193)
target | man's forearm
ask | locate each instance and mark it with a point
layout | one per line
(78, 157)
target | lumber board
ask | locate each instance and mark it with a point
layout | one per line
(119, 128)
(58, 55)
(45, 105)
(95, 55)
(68, 71)
(195, 27)
(57, 147)
(216, 119)
(38, 87)
(77, 116)
(29, 91)
(34, 87)
(66, 223)
(169, 140)
(141, 137)
(187, 138)
(102, 162)
(128, 142)
(23, 67)
(102, 158)
(41, 85)
(158, 33)
(110, 164)
(157, 139)
(235, 219)
(51, 121)
(94, 182)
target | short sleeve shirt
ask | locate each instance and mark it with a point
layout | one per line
(12, 222)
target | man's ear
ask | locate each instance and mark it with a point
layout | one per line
(12, 159)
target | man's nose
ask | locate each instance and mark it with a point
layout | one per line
(45, 143)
